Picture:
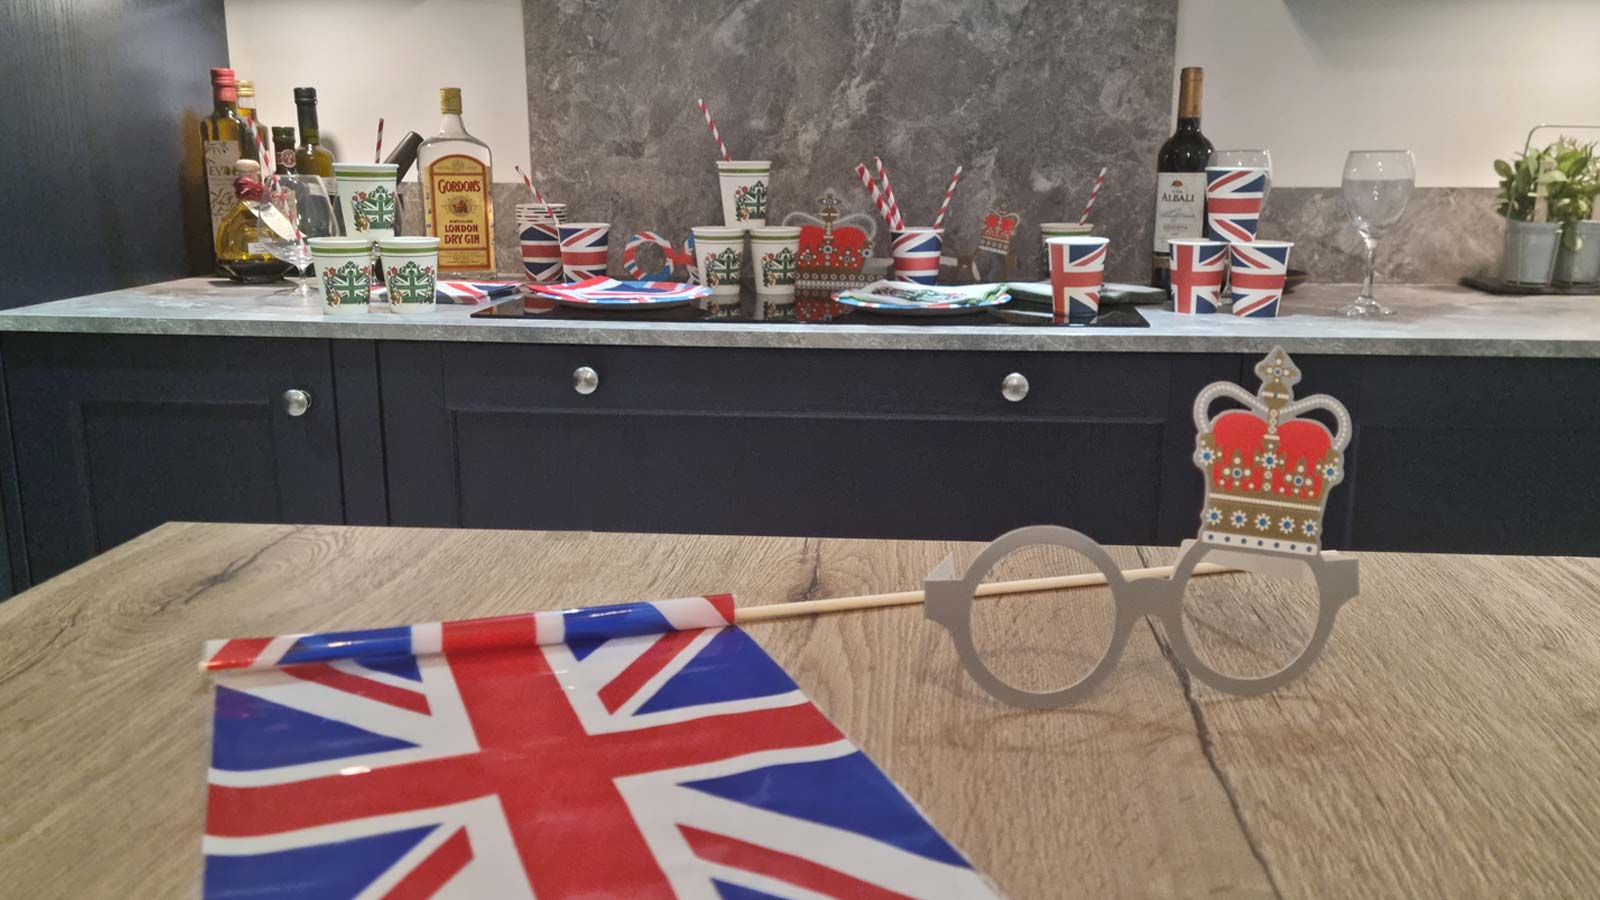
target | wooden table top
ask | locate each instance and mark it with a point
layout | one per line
(1447, 744)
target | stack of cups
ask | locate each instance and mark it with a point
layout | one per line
(410, 267)
(1077, 272)
(1048, 230)
(538, 228)
(774, 253)
(584, 246)
(343, 266)
(719, 250)
(916, 252)
(744, 183)
(1234, 195)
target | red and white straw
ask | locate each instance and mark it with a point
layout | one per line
(721, 147)
(377, 154)
(877, 197)
(1094, 194)
(938, 221)
(895, 220)
(535, 192)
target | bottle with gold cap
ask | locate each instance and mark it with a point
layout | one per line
(456, 171)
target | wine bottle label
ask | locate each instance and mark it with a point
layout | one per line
(220, 157)
(256, 248)
(1180, 208)
(286, 159)
(459, 213)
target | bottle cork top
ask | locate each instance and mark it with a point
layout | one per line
(222, 77)
(247, 168)
(450, 101)
(247, 88)
(305, 95)
(1189, 96)
(247, 183)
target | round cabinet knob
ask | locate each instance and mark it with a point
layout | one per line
(585, 380)
(296, 402)
(1014, 387)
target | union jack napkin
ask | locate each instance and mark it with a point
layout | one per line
(465, 292)
(640, 750)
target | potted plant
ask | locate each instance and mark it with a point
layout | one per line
(1530, 251)
(1571, 199)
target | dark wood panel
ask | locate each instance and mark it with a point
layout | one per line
(99, 117)
(117, 434)
(360, 422)
(956, 478)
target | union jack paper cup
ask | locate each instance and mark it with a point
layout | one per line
(343, 266)
(720, 251)
(915, 252)
(583, 249)
(1256, 282)
(1077, 269)
(541, 240)
(775, 254)
(410, 270)
(1198, 268)
(744, 183)
(1233, 201)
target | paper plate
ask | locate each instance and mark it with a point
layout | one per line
(921, 309)
(609, 293)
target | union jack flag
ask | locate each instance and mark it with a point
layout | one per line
(1256, 281)
(1197, 271)
(1233, 202)
(642, 750)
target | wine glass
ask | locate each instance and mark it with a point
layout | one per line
(1243, 159)
(296, 207)
(1377, 184)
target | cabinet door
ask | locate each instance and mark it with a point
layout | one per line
(1465, 455)
(117, 434)
(831, 443)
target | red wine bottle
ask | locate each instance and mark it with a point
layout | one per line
(1181, 178)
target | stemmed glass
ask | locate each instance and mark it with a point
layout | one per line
(301, 202)
(1247, 159)
(1377, 184)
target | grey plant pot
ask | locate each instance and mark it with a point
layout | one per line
(1580, 266)
(1530, 254)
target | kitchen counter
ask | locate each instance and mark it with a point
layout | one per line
(1431, 320)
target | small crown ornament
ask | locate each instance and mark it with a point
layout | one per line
(1268, 472)
(999, 226)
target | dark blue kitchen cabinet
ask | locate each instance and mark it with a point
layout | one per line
(902, 444)
(114, 435)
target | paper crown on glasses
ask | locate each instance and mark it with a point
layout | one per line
(1268, 472)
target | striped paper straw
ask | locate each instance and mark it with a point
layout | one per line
(714, 133)
(535, 192)
(377, 153)
(938, 221)
(877, 198)
(895, 221)
(1094, 194)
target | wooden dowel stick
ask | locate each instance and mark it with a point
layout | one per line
(991, 589)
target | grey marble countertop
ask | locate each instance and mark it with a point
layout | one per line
(1431, 320)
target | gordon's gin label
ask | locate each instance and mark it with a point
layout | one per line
(459, 213)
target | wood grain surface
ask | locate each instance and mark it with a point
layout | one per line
(1446, 745)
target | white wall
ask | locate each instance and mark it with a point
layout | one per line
(408, 50)
(1459, 82)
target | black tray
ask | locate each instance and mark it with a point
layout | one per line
(1493, 285)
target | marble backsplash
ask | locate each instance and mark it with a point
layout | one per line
(1445, 233)
(1032, 98)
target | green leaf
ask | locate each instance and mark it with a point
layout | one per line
(1502, 168)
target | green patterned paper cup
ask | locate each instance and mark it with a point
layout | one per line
(1048, 230)
(773, 253)
(367, 198)
(719, 252)
(745, 183)
(410, 265)
(344, 273)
